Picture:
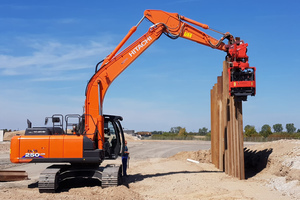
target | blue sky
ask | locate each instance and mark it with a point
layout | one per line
(49, 49)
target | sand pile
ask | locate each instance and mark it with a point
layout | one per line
(282, 169)
(9, 135)
(130, 137)
(276, 164)
(203, 156)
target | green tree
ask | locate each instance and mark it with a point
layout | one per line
(290, 128)
(157, 132)
(277, 128)
(265, 130)
(203, 131)
(175, 129)
(182, 132)
(249, 130)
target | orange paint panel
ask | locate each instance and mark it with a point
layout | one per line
(34, 147)
(73, 146)
(14, 149)
(56, 145)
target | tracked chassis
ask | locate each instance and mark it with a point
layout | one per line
(50, 178)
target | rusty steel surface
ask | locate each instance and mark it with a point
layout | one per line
(227, 145)
(13, 175)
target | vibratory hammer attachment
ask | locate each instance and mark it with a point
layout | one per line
(241, 82)
(241, 76)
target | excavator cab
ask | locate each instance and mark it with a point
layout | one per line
(113, 136)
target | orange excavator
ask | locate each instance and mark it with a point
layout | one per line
(86, 140)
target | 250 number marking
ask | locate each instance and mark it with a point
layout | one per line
(32, 155)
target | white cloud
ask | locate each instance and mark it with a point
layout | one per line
(50, 61)
(52, 56)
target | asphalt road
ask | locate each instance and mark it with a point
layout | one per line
(163, 149)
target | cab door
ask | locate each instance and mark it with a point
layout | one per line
(114, 137)
(121, 140)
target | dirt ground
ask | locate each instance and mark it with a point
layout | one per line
(272, 170)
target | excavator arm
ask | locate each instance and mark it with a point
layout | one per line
(174, 26)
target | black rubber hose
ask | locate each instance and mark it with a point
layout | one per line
(96, 68)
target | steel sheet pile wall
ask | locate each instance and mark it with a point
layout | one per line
(226, 129)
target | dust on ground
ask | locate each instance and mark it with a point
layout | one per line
(4, 147)
(272, 168)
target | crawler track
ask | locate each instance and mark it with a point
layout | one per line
(111, 176)
(50, 178)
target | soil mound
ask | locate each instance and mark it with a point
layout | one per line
(283, 158)
(8, 135)
(130, 137)
(276, 164)
(282, 165)
(203, 156)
